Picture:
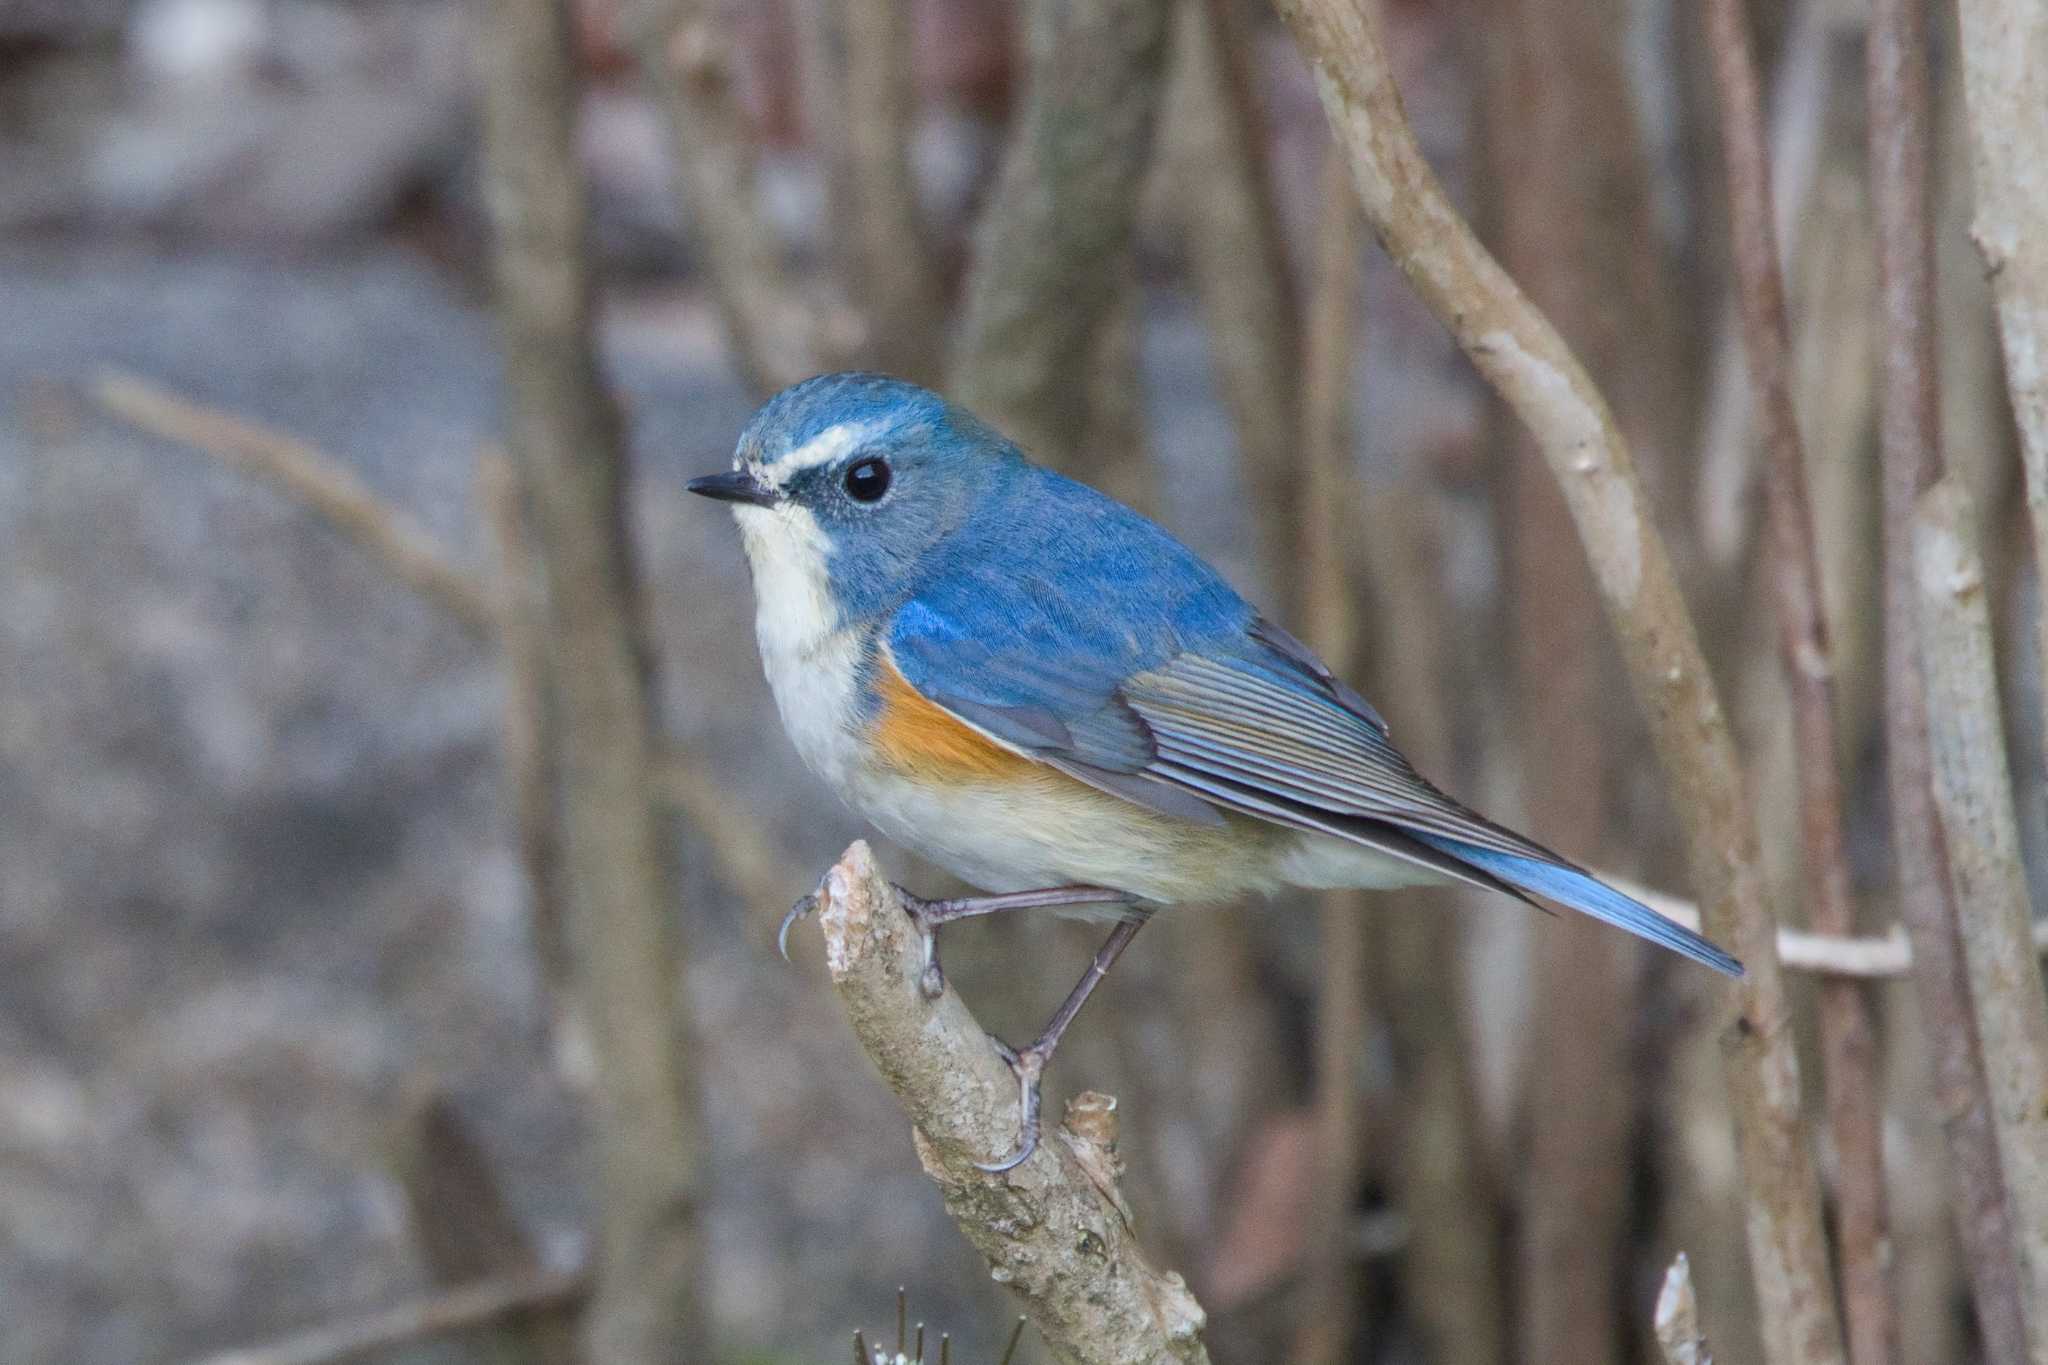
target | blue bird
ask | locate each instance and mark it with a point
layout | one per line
(1048, 695)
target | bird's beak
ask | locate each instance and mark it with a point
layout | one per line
(737, 486)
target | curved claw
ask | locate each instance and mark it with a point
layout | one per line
(803, 907)
(1030, 1068)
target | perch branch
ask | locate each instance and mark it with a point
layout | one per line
(1523, 356)
(1051, 243)
(685, 53)
(1848, 1033)
(458, 1310)
(563, 434)
(1909, 440)
(1054, 1229)
(2005, 87)
(309, 476)
(1973, 795)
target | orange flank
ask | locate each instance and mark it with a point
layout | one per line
(920, 737)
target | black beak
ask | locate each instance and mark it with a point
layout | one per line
(737, 486)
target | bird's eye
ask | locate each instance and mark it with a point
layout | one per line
(868, 480)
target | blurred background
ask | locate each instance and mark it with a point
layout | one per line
(284, 1036)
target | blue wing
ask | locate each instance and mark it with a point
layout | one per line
(1118, 656)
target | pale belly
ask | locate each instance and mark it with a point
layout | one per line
(1052, 830)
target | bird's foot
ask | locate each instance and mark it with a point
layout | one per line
(805, 906)
(1029, 1068)
(927, 916)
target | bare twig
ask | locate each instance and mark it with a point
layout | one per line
(1863, 958)
(1524, 358)
(1801, 92)
(685, 53)
(1910, 440)
(526, 736)
(1054, 1229)
(895, 278)
(306, 474)
(748, 862)
(563, 432)
(1328, 493)
(1848, 1034)
(2005, 84)
(1973, 793)
(466, 1231)
(473, 1305)
(1223, 196)
(1676, 1319)
(1571, 180)
(1053, 236)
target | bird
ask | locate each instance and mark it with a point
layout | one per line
(1046, 694)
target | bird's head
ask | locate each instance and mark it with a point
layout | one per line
(847, 480)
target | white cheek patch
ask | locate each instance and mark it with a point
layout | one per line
(827, 447)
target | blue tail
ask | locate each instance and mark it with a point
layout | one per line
(1569, 886)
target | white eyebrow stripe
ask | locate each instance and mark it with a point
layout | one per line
(827, 446)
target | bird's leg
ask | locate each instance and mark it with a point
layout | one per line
(931, 914)
(1030, 1064)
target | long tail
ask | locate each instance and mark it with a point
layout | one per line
(1571, 887)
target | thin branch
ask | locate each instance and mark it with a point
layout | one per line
(685, 54)
(1848, 1033)
(1327, 491)
(473, 1305)
(747, 861)
(1863, 958)
(1973, 793)
(526, 737)
(311, 477)
(2005, 86)
(1802, 89)
(1053, 237)
(1909, 439)
(1223, 195)
(564, 434)
(896, 281)
(1676, 1319)
(1054, 1230)
(1522, 355)
(1571, 181)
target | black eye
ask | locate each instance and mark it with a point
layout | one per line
(868, 480)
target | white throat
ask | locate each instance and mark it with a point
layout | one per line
(807, 653)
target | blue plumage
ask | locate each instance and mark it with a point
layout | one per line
(1570, 887)
(1062, 625)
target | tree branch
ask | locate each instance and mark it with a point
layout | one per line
(1054, 1229)
(1327, 491)
(310, 476)
(896, 282)
(1522, 355)
(1230, 225)
(1848, 1033)
(1909, 439)
(2005, 86)
(1973, 794)
(685, 55)
(563, 433)
(1052, 239)
(457, 1310)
